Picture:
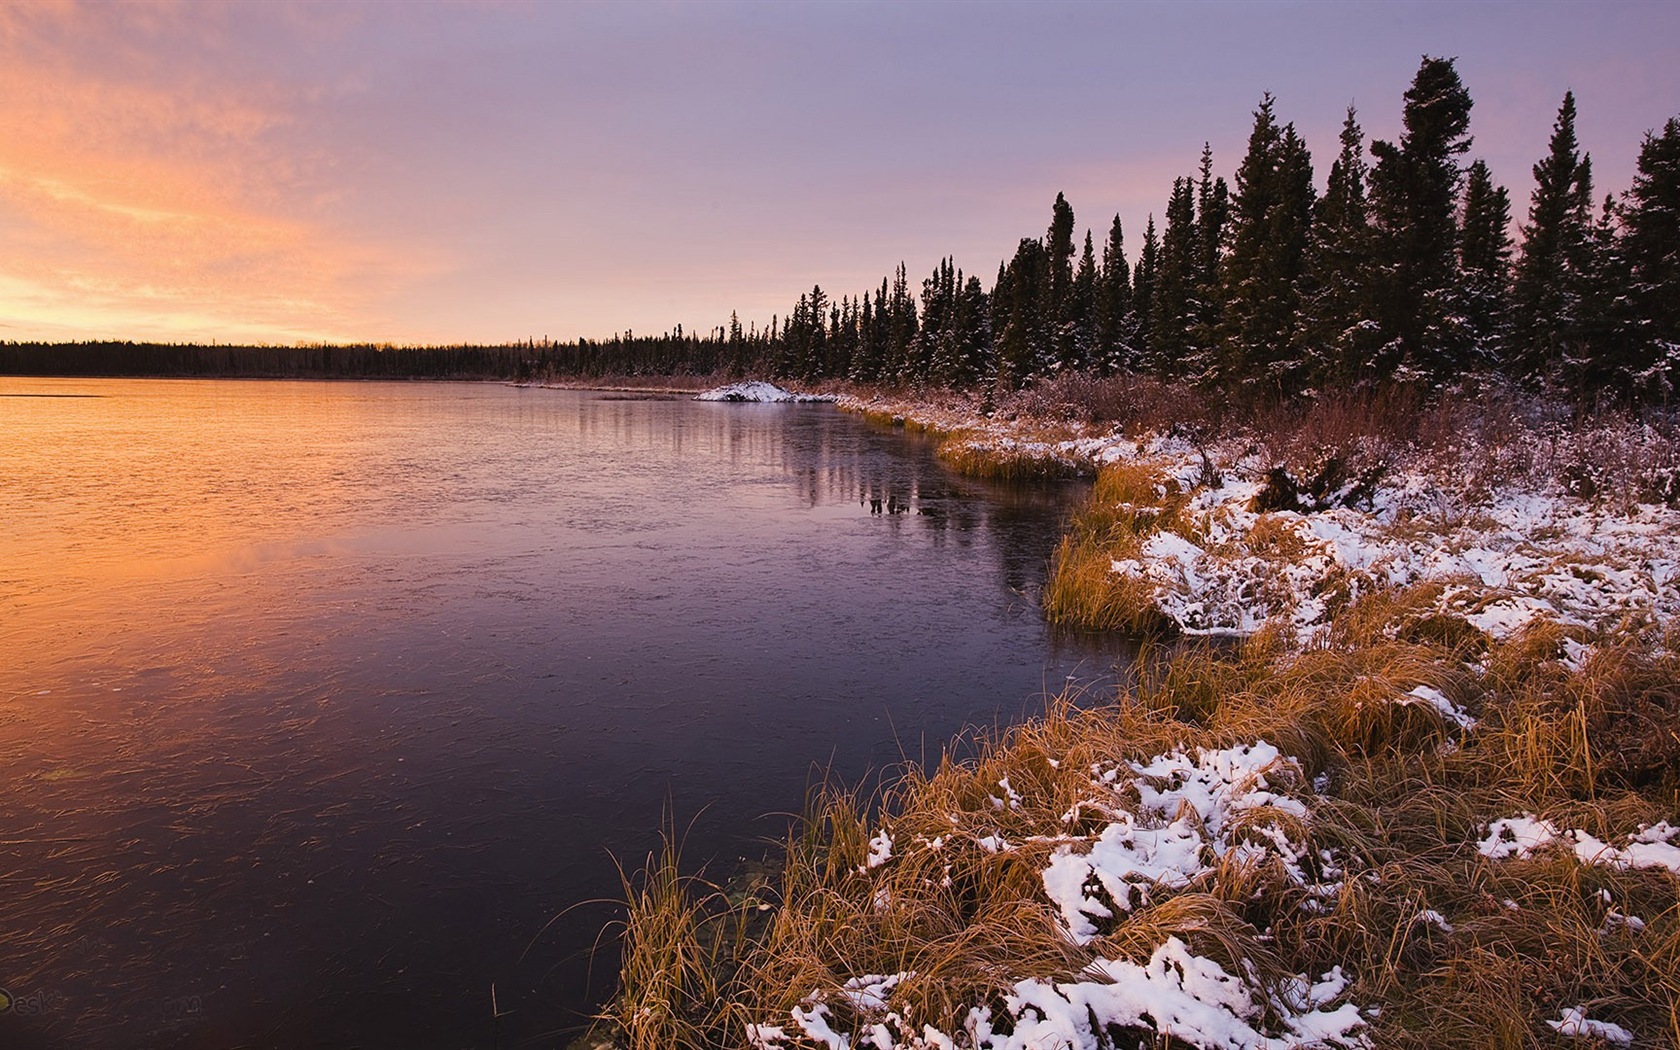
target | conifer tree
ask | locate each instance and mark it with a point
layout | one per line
(1651, 248)
(1018, 312)
(1549, 277)
(1213, 214)
(1270, 225)
(1082, 310)
(1174, 309)
(1414, 204)
(1143, 297)
(866, 362)
(1337, 338)
(1484, 254)
(972, 333)
(901, 329)
(1058, 305)
(1115, 324)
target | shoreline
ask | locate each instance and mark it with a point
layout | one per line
(1451, 696)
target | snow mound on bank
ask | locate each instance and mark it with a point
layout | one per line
(759, 391)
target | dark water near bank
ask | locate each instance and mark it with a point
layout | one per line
(318, 702)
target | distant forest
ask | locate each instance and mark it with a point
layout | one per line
(1402, 271)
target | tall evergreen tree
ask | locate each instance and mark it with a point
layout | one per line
(1018, 312)
(1414, 205)
(1058, 305)
(972, 333)
(1270, 225)
(901, 329)
(1651, 247)
(1547, 290)
(1143, 297)
(1115, 324)
(1213, 215)
(1082, 309)
(1174, 309)
(1484, 254)
(1337, 338)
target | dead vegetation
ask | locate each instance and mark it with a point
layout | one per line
(1406, 731)
(1452, 947)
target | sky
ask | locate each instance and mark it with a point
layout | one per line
(486, 172)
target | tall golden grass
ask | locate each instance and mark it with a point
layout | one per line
(1406, 794)
(1398, 793)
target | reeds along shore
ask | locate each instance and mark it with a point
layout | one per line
(1474, 825)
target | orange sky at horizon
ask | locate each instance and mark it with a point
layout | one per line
(148, 211)
(290, 173)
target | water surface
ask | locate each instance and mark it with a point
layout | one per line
(318, 702)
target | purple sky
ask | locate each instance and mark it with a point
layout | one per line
(441, 172)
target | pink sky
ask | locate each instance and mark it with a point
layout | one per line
(487, 172)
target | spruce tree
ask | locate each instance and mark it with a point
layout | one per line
(1547, 290)
(1651, 249)
(1018, 313)
(1484, 254)
(1143, 298)
(1058, 305)
(1174, 307)
(1213, 215)
(1115, 325)
(1270, 225)
(1336, 338)
(1082, 309)
(1414, 205)
(901, 330)
(972, 332)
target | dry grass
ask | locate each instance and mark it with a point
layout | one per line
(1008, 464)
(1399, 794)
(1407, 794)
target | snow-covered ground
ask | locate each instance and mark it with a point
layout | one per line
(1505, 559)
(1169, 823)
(757, 390)
(1501, 557)
(1505, 556)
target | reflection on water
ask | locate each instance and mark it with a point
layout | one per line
(318, 702)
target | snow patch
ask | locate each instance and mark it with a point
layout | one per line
(1192, 998)
(1186, 814)
(880, 851)
(1575, 1024)
(1521, 837)
(757, 390)
(1430, 697)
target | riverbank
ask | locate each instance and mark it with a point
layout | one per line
(1425, 793)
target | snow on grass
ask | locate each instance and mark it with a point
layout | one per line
(1168, 822)
(1187, 811)
(1192, 997)
(1575, 1024)
(757, 390)
(880, 851)
(1513, 558)
(1521, 837)
(1513, 553)
(1434, 698)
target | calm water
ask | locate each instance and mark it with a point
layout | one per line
(319, 701)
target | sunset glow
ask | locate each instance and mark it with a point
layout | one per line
(431, 173)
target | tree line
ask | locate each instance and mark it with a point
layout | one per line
(1402, 271)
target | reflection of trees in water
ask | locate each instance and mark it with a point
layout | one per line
(838, 459)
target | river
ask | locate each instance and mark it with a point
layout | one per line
(324, 707)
